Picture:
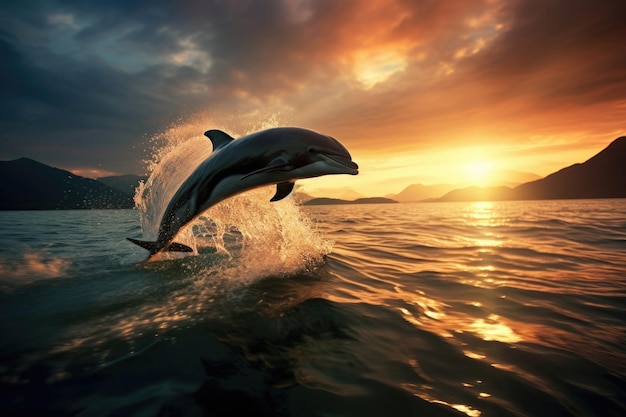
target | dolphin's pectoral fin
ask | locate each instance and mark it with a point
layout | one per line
(153, 248)
(283, 189)
(178, 247)
(150, 246)
(218, 138)
(275, 165)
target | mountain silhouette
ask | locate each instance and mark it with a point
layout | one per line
(30, 185)
(418, 192)
(602, 176)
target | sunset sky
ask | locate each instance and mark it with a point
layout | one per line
(419, 91)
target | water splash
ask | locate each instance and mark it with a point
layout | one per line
(172, 164)
(263, 238)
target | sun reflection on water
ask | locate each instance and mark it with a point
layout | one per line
(466, 409)
(484, 213)
(491, 328)
(494, 329)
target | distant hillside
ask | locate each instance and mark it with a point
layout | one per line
(331, 201)
(602, 176)
(123, 183)
(30, 185)
(419, 192)
(350, 195)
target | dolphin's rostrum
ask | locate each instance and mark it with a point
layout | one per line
(274, 156)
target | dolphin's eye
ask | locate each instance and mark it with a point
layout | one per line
(313, 149)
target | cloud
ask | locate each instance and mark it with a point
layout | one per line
(515, 69)
(560, 51)
(83, 104)
(88, 81)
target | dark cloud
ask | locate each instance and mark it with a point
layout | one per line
(78, 108)
(565, 50)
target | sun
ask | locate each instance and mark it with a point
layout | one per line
(478, 172)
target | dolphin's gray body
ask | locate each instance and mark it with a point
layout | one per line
(274, 156)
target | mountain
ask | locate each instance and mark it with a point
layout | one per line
(602, 176)
(30, 185)
(351, 195)
(123, 183)
(418, 192)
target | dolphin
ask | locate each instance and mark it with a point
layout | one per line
(274, 156)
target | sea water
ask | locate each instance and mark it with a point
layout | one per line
(426, 309)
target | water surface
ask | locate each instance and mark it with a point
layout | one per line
(477, 309)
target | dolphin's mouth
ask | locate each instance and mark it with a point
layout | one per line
(352, 167)
(342, 158)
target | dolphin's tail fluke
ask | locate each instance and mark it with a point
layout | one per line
(153, 248)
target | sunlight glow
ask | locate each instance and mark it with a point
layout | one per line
(478, 171)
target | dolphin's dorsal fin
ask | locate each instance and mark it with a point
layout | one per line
(283, 189)
(218, 138)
